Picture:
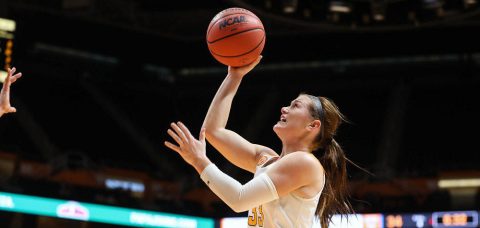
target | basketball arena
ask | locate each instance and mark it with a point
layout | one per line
(104, 79)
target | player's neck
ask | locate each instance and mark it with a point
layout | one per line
(290, 148)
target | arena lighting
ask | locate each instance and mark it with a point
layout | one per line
(338, 6)
(134, 186)
(3, 75)
(469, 3)
(98, 213)
(7, 27)
(378, 10)
(432, 4)
(459, 183)
(289, 6)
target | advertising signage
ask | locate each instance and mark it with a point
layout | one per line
(98, 213)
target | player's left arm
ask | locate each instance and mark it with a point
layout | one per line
(286, 175)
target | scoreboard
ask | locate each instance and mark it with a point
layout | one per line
(455, 219)
(442, 219)
(7, 29)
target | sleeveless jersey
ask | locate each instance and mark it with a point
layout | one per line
(287, 211)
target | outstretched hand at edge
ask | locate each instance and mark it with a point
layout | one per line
(5, 106)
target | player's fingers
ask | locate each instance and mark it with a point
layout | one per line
(179, 132)
(173, 147)
(175, 137)
(15, 77)
(185, 130)
(11, 71)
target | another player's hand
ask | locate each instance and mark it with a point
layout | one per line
(5, 106)
(242, 71)
(193, 151)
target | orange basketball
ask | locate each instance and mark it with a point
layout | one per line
(235, 37)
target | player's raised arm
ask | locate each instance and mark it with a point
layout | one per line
(232, 146)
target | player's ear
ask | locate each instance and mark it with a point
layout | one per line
(315, 124)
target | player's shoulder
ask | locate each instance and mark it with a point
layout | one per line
(302, 166)
(303, 160)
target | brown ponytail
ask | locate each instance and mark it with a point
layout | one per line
(334, 198)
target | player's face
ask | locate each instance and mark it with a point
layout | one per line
(295, 118)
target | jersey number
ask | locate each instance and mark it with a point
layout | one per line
(255, 218)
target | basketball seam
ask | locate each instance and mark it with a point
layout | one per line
(233, 56)
(210, 27)
(210, 42)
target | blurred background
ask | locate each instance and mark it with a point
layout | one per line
(103, 79)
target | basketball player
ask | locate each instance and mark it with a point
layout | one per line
(306, 180)
(5, 106)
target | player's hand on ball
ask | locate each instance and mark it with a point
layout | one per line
(243, 70)
(193, 151)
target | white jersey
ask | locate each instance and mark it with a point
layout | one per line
(287, 211)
